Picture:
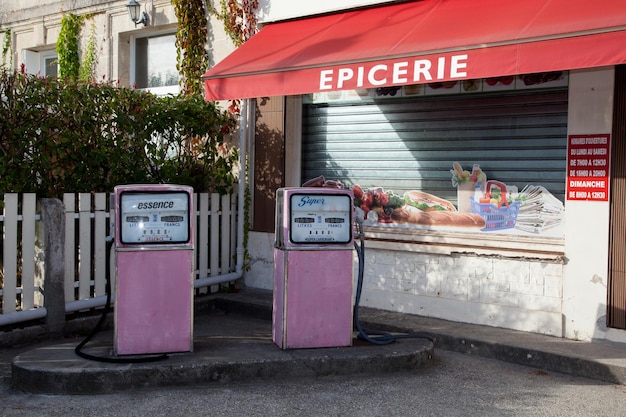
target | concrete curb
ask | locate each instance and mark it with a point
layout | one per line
(594, 360)
(33, 373)
(583, 359)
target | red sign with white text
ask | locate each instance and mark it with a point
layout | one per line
(588, 167)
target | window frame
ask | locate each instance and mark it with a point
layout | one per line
(45, 55)
(35, 61)
(165, 90)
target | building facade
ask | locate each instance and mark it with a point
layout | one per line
(136, 55)
(533, 108)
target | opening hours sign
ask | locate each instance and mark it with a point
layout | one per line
(588, 167)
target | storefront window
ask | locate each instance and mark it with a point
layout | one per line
(473, 156)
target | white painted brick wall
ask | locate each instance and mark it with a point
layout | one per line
(521, 294)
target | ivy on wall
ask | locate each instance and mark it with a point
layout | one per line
(239, 19)
(6, 50)
(68, 49)
(88, 64)
(67, 45)
(240, 23)
(191, 41)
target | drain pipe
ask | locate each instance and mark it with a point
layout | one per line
(243, 147)
(21, 316)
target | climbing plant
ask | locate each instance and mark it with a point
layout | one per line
(68, 44)
(6, 49)
(239, 18)
(240, 23)
(88, 63)
(191, 41)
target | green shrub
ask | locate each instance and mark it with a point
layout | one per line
(64, 135)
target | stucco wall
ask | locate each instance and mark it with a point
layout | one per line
(587, 222)
(261, 263)
(273, 10)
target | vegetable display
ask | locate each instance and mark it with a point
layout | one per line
(376, 200)
(460, 176)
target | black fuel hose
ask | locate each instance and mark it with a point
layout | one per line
(97, 328)
(375, 337)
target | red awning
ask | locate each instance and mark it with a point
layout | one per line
(419, 42)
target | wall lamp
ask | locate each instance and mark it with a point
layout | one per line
(134, 9)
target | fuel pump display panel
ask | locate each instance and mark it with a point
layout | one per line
(154, 218)
(320, 218)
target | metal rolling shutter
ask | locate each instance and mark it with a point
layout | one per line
(410, 143)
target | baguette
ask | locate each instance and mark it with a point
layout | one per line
(428, 202)
(412, 215)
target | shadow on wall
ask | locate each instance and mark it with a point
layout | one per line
(269, 161)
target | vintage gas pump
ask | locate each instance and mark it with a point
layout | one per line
(154, 248)
(313, 268)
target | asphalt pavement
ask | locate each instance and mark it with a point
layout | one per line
(468, 371)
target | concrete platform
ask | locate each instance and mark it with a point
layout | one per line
(227, 348)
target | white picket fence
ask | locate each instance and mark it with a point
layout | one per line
(87, 224)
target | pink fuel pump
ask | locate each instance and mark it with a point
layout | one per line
(154, 248)
(313, 268)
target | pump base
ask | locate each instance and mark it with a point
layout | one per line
(312, 298)
(153, 305)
